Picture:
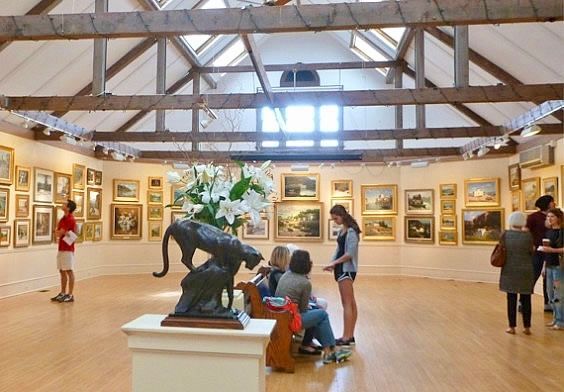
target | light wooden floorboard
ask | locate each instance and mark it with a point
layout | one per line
(413, 334)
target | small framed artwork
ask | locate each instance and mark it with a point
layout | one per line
(97, 231)
(155, 183)
(88, 229)
(420, 229)
(298, 221)
(515, 200)
(514, 175)
(78, 176)
(4, 204)
(58, 215)
(154, 213)
(6, 165)
(482, 226)
(419, 201)
(300, 186)
(481, 192)
(176, 215)
(79, 231)
(154, 197)
(5, 236)
(379, 199)
(42, 224)
(22, 206)
(23, 178)
(531, 192)
(43, 186)
(379, 228)
(90, 177)
(21, 233)
(78, 198)
(126, 221)
(94, 204)
(448, 207)
(347, 203)
(176, 199)
(98, 178)
(126, 190)
(550, 187)
(62, 187)
(257, 232)
(448, 222)
(341, 189)
(155, 231)
(448, 237)
(333, 230)
(447, 191)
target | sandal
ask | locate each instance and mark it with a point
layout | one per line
(510, 331)
(308, 350)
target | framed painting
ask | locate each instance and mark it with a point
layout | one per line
(155, 183)
(126, 221)
(481, 192)
(5, 236)
(550, 187)
(43, 186)
(62, 187)
(78, 198)
(298, 221)
(515, 200)
(347, 203)
(448, 222)
(482, 226)
(6, 165)
(448, 207)
(42, 224)
(514, 176)
(379, 228)
(154, 213)
(58, 214)
(97, 231)
(379, 199)
(447, 191)
(21, 233)
(176, 215)
(448, 237)
(176, 199)
(154, 197)
(79, 231)
(78, 176)
(257, 232)
(126, 190)
(4, 204)
(155, 231)
(341, 189)
(90, 177)
(94, 204)
(300, 186)
(22, 206)
(531, 192)
(419, 201)
(420, 229)
(98, 178)
(333, 229)
(88, 229)
(23, 178)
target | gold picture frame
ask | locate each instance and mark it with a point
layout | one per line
(550, 187)
(155, 230)
(447, 191)
(514, 176)
(4, 204)
(154, 212)
(78, 198)
(125, 190)
(419, 201)
(448, 207)
(341, 189)
(43, 185)
(78, 176)
(175, 192)
(155, 183)
(88, 229)
(298, 221)
(90, 177)
(93, 204)
(23, 178)
(333, 229)
(482, 226)
(516, 202)
(126, 221)
(98, 230)
(530, 188)
(22, 206)
(482, 192)
(448, 237)
(379, 199)
(5, 236)
(176, 215)
(155, 196)
(448, 222)
(379, 228)
(419, 229)
(22, 233)
(347, 203)
(63, 187)
(256, 232)
(304, 187)
(42, 224)
(6, 165)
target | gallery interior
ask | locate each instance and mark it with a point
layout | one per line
(430, 122)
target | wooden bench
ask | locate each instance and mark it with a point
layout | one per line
(279, 350)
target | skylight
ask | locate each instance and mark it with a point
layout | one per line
(200, 42)
(231, 55)
(366, 51)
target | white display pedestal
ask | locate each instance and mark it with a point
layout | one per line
(197, 359)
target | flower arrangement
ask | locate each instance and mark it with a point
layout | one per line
(210, 194)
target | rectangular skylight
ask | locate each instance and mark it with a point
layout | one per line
(200, 42)
(367, 51)
(329, 118)
(231, 55)
(329, 143)
(269, 123)
(270, 143)
(300, 118)
(299, 143)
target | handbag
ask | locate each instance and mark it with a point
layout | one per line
(279, 304)
(497, 258)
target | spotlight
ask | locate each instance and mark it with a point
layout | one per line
(46, 132)
(530, 131)
(482, 151)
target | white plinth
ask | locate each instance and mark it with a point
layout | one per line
(197, 359)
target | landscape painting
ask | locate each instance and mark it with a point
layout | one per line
(43, 186)
(341, 189)
(259, 231)
(298, 221)
(300, 186)
(482, 226)
(379, 199)
(481, 192)
(126, 190)
(531, 192)
(379, 228)
(419, 202)
(419, 229)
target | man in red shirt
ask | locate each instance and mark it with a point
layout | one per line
(65, 255)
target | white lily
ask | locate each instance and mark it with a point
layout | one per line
(229, 209)
(254, 203)
(192, 208)
(173, 177)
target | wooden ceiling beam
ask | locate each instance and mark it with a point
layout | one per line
(252, 50)
(264, 20)
(302, 66)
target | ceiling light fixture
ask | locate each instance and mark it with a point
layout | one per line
(531, 131)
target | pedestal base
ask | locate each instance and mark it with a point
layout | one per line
(197, 359)
(240, 322)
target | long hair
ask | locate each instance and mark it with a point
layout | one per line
(348, 220)
(557, 212)
(280, 258)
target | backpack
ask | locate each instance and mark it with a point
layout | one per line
(279, 304)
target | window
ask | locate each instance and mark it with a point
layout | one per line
(231, 55)
(201, 42)
(367, 51)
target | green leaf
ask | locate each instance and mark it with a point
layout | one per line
(239, 189)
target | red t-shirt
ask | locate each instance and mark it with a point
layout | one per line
(535, 224)
(66, 223)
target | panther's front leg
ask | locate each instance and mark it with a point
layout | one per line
(230, 284)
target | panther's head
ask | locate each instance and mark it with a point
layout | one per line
(251, 256)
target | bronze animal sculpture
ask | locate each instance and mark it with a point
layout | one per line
(203, 286)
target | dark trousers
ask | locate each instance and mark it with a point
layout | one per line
(525, 300)
(538, 261)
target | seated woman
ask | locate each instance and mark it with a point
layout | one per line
(295, 284)
(279, 260)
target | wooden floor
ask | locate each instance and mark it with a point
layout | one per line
(413, 334)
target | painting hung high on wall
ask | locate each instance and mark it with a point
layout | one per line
(530, 188)
(155, 183)
(126, 190)
(43, 186)
(341, 189)
(22, 206)
(42, 224)
(98, 178)
(550, 187)
(256, 232)
(298, 221)
(419, 202)
(90, 176)
(481, 192)
(78, 198)
(514, 177)
(347, 203)
(447, 191)
(126, 221)
(154, 197)
(379, 199)
(62, 187)
(21, 233)
(78, 176)
(94, 204)
(6, 165)
(300, 186)
(176, 200)
(4, 204)
(482, 226)
(379, 228)
(515, 200)
(23, 178)
(419, 229)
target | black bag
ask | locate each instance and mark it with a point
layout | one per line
(497, 259)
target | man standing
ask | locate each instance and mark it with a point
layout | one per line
(66, 233)
(536, 225)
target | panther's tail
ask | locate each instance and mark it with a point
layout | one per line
(165, 254)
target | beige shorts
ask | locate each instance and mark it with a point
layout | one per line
(65, 260)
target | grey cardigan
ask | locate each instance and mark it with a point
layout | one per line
(351, 248)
